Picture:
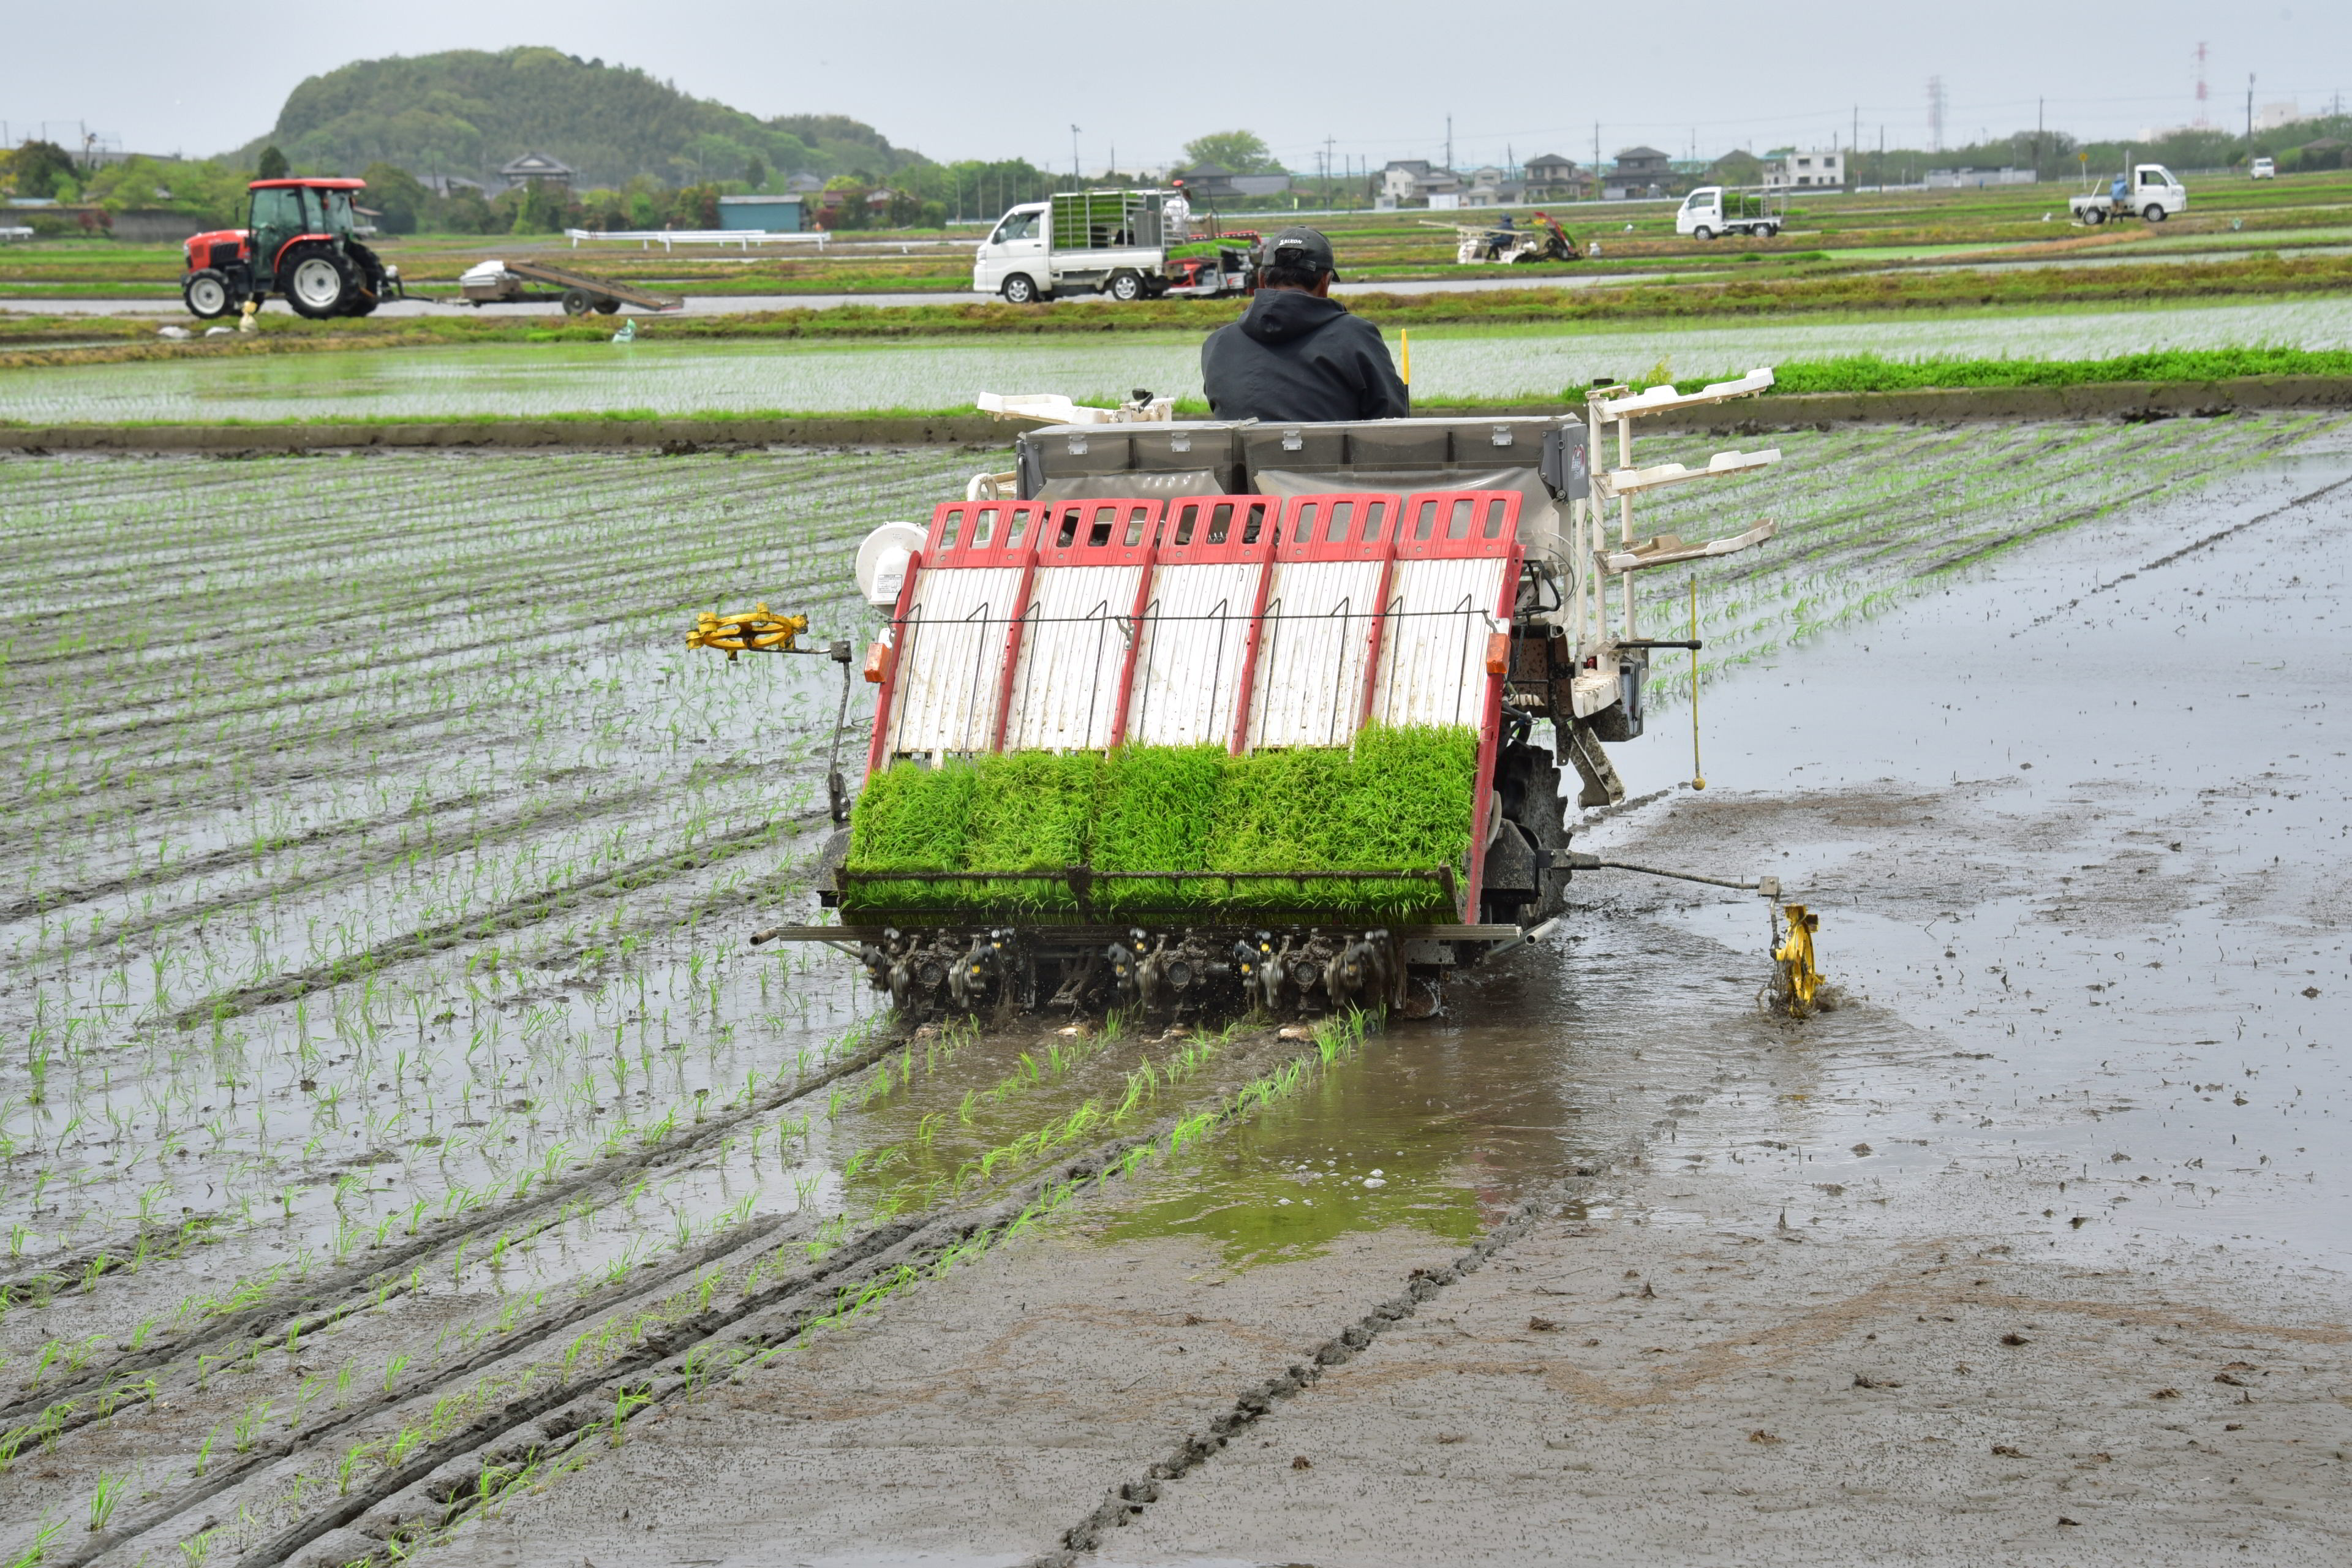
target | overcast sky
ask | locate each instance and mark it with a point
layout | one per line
(1378, 77)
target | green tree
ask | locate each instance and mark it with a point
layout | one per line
(1237, 151)
(38, 169)
(270, 165)
(755, 172)
(544, 209)
(398, 195)
(842, 204)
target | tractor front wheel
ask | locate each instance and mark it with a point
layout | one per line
(319, 283)
(206, 294)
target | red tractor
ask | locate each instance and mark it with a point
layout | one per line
(300, 241)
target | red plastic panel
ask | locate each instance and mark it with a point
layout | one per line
(1213, 530)
(1338, 527)
(1098, 532)
(983, 532)
(1441, 525)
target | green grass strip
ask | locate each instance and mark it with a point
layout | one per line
(1869, 373)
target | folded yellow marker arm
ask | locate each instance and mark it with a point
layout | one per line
(758, 630)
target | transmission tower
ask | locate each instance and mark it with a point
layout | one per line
(2202, 121)
(1934, 115)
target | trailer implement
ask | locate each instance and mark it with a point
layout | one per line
(500, 282)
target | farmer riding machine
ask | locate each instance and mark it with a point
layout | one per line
(300, 241)
(1195, 716)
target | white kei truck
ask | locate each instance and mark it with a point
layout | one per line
(1128, 245)
(2151, 192)
(1713, 210)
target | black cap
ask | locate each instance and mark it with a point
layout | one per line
(1301, 247)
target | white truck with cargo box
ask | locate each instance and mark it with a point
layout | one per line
(1129, 245)
(2151, 192)
(1713, 210)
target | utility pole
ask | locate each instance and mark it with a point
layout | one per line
(2039, 105)
(1596, 160)
(2250, 109)
(1449, 138)
(1328, 143)
(1853, 150)
(1073, 154)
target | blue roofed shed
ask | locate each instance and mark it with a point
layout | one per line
(774, 215)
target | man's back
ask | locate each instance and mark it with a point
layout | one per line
(1300, 357)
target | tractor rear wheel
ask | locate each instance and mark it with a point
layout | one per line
(206, 294)
(317, 283)
(606, 305)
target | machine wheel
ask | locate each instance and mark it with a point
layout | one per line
(606, 305)
(2094, 216)
(2152, 212)
(1702, 234)
(362, 304)
(206, 294)
(1527, 789)
(317, 283)
(578, 303)
(1125, 287)
(1768, 231)
(1020, 289)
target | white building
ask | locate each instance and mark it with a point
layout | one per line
(1803, 168)
(1416, 179)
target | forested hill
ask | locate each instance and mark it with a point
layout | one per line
(467, 112)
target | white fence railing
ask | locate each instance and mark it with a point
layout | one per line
(668, 238)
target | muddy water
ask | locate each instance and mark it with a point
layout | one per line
(2094, 846)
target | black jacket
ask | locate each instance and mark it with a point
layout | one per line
(1294, 357)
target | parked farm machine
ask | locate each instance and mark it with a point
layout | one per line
(1332, 640)
(300, 241)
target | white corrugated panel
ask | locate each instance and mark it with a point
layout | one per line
(1433, 650)
(951, 660)
(1066, 689)
(1311, 655)
(1195, 632)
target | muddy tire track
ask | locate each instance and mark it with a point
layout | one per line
(221, 1476)
(1124, 1503)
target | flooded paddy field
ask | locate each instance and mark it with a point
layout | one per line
(677, 379)
(404, 1145)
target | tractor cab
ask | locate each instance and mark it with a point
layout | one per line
(301, 242)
